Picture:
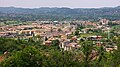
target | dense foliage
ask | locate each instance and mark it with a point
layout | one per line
(51, 56)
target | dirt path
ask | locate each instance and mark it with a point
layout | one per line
(1, 58)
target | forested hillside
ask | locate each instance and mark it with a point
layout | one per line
(45, 13)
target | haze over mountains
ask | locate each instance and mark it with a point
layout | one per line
(46, 13)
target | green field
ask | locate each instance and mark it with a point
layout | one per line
(86, 34)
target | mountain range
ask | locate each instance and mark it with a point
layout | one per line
(64, 13)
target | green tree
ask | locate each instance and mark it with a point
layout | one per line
(28, 57)
(87, 48)
(77, 33)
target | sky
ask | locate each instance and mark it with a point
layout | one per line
(60, 3)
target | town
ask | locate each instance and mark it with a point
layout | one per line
(69, 33)
(59, 33)
(87, 41)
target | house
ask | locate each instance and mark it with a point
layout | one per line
(95, 38)
(110, 48)
(47, 43)
(68, 46)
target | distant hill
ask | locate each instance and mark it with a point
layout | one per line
(46, 13)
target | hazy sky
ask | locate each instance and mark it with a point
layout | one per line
(60, 3)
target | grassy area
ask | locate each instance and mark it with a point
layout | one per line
(86, 35)
(117, 27)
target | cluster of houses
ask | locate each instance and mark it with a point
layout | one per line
(48, 32)
(34, 29)
(51, 31)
